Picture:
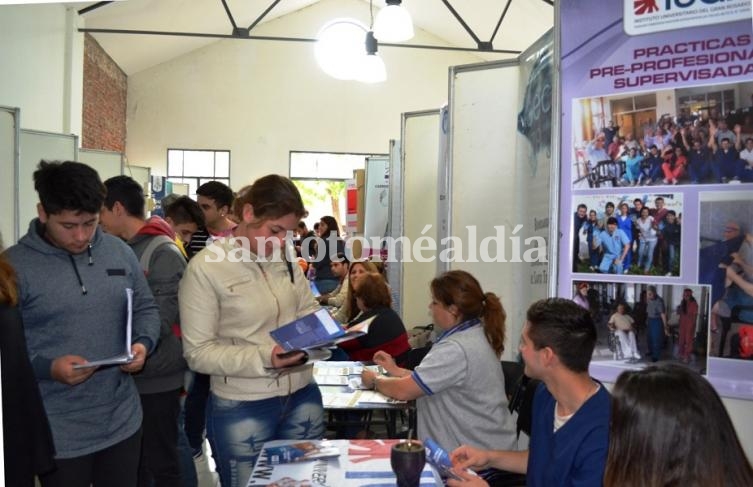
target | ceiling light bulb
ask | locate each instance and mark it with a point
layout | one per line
(339, 48)
(372, 69)
(393, 23)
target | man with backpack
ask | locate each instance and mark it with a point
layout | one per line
(161, 381)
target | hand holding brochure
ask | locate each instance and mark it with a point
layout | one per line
(440, 460)
(127, 356)
(316, 330)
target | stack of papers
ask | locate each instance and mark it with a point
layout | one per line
(126, 357)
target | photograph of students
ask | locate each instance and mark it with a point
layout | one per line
(651, 228)
(696, 142)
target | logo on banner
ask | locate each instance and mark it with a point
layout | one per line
(646, 16)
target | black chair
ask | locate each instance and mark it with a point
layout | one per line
(513, 371)
(410, 359)
(520, 390)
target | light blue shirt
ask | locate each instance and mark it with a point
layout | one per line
(615, 243)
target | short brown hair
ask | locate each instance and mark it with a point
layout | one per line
(373, 291)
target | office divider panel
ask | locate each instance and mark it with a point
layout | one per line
(395, 226)
(420, 156)
(9, 162)
(483, 109)
(107, 163)
(140, 175)
(33, 147)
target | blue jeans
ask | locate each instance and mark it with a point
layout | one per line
(646, 254)
(655, 337)
(195, 409)
(238, 429)
(674, 255)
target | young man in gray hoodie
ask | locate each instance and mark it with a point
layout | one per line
(72, 281)
(160, 383)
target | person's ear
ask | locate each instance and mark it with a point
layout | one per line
(41, 213)
(224, 211)
(248, 213)
(549, 357)
(454, 311)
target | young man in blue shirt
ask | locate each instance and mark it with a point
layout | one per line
(570, 429)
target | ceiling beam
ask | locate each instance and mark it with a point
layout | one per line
(93, 7)
(501, 18)
(229, 14)
(263, 14)
(462, 22)
(285, 39)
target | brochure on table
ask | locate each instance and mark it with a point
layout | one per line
(361, 462)
(341, 386)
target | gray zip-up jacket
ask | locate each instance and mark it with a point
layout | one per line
(76, 304)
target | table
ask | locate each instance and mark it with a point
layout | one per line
(362, 463)
(336, 382)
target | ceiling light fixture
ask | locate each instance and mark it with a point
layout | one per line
(339, 48)
(393, 23)
(372, 66)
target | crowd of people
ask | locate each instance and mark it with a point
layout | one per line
(683, 149)
(93, 266)
(638, 239)
(649, 317)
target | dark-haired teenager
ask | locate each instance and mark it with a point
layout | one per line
(569, 435)
(72, 281)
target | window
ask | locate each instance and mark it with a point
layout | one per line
(320, 177)
(196, 167)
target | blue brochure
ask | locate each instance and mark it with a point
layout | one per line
(316, 330)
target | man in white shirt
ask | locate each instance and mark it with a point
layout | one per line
(337, 297)
(746, 155)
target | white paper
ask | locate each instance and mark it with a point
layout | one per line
(127, 356)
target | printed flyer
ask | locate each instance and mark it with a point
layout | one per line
(364, 463)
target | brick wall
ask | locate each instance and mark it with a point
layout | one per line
(104, 110)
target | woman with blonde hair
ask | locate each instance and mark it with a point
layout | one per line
(349, 310)
(459, 386)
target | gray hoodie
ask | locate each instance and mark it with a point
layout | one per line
(76, 304)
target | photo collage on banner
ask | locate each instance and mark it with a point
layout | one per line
(657, 183)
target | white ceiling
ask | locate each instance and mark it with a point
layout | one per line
(524, 22)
